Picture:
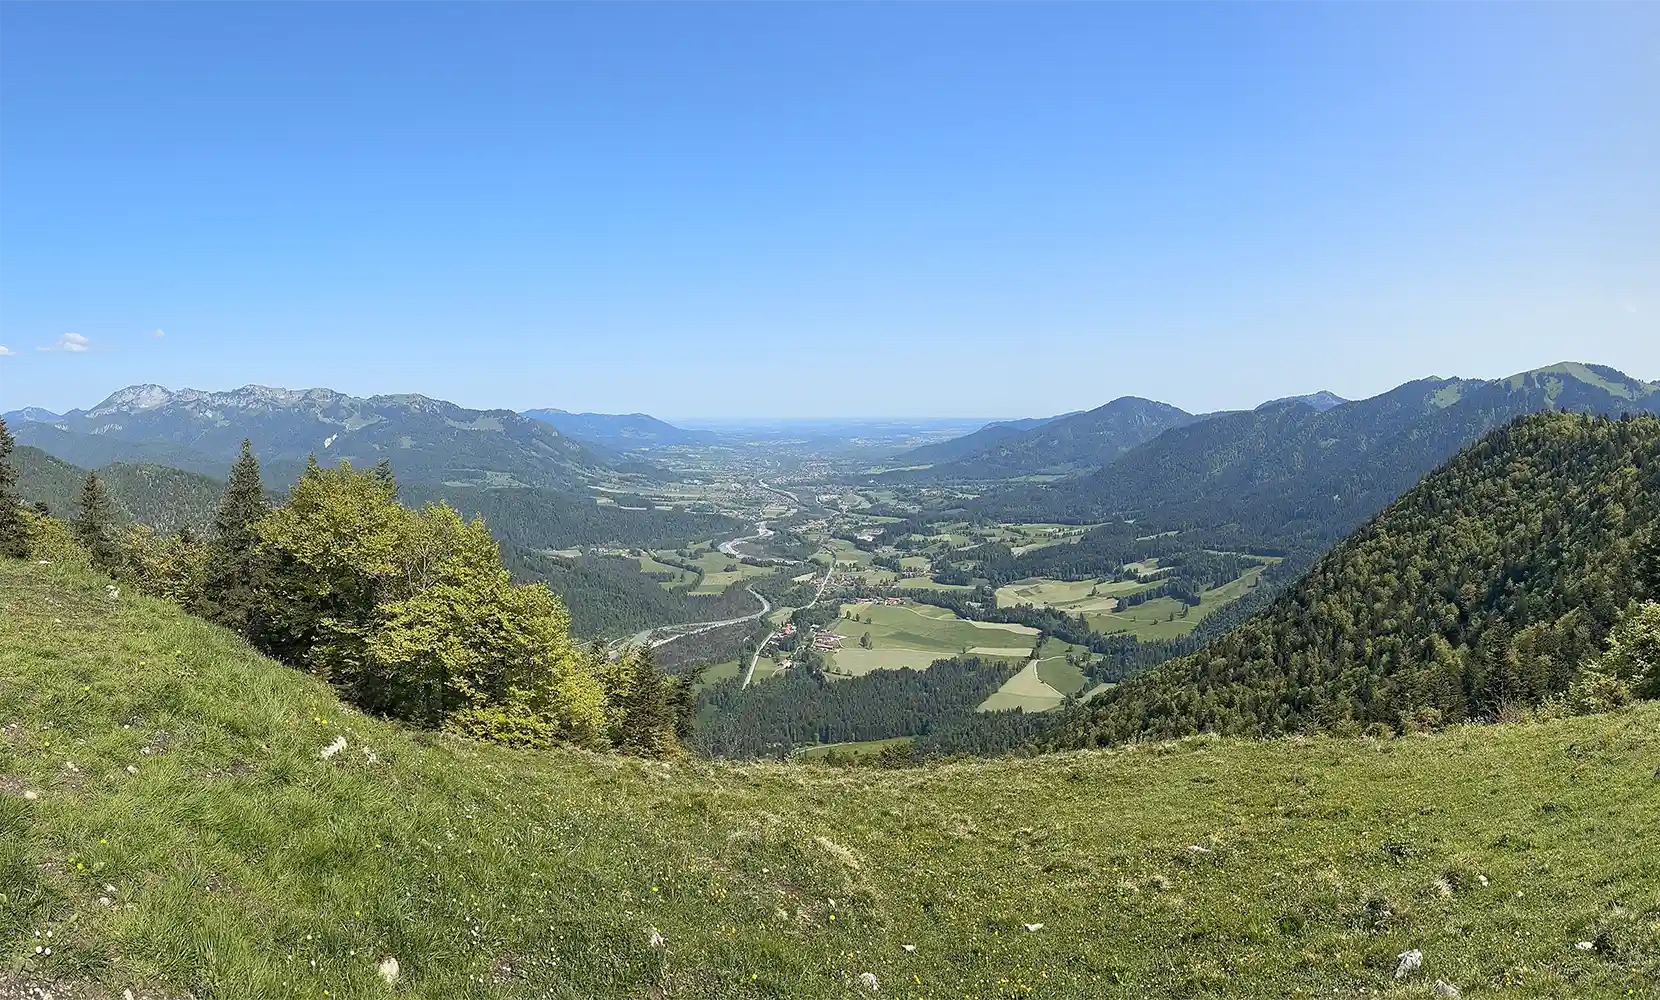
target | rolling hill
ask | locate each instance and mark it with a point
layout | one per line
(426, 440)
(620, 431)
(1488, 585)
(163, 498)
(987, 437)
(171, 824)
(1059, 446)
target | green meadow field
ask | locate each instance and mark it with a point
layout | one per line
(915, 635)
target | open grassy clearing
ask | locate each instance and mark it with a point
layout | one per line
(1168, 618)
(1026, 690)
(718, 672)
(927, 583)
(721, 571)
(1067, 595)
(915, 635)
(681, 577)
(1067, 678)
(853, 661)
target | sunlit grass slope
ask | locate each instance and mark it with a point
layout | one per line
(185, 835)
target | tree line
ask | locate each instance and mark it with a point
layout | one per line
(408, 613)
(1521, 574)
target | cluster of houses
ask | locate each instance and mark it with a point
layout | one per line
(890, 601)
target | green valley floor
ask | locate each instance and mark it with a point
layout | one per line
(172, 822)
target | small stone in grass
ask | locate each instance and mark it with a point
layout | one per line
(868, 981)
(1411, 961)
(1446, 990)
(388, 969)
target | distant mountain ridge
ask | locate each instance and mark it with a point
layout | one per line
(426, 440)
(1073, 443)
(1289, 471)
(1322, 400)
(30, 413)
(620, 431)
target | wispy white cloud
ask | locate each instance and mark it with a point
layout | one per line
(69, 343)
(158, 334)
(6, 352)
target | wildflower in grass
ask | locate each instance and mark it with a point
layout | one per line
(657, 940)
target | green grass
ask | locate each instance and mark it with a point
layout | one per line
(679, 578)
(721, 571)
(242, 864)
(862, 748)
(1163, 618)
(1026, 690)
(915, 635)
(1071, 596)
(1064, 677)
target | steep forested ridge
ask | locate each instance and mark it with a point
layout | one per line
(1490, 583)
(1293, 476)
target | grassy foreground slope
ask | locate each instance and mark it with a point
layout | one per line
(186, 836)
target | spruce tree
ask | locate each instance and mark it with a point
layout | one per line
(95, 526)
(14, 531)
(229, 589)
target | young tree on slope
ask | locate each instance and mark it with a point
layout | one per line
(229, 591)
(95, 526)
(14, 531)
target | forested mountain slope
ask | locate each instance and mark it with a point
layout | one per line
(426, 440)
(1489, 584)
(162, 498)
(1290, 475)
(1065, 445)
(171, 824)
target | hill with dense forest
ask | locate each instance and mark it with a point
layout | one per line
(428, 441)
(174, 822)
(1059, 446)
(1488, 587)
(1292, 476)
(163, 498)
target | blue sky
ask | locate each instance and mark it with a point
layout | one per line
(823, 210)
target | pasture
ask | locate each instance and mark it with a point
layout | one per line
(719, 571)
(1043, 683)
(677, 577)
(1071, 596)
(915, 635)
(1026, 690)
(1168, 618)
